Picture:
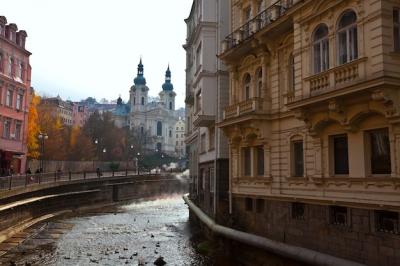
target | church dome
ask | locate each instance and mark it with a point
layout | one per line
(167, 86)
(140, 80)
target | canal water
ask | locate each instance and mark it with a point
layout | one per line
(137, 233)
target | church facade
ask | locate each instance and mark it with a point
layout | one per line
(154, 118)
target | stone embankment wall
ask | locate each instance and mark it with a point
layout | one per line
(22, 206)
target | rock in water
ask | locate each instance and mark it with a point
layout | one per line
(160, 261)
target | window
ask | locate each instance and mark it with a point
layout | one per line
(177, 143)
(198, 101)
(1, 63)
(198, 56)
(177, 135)
(6, 128)
(170, 105)
(19, 101)
(387, 222)
(260, 161)
(246, 18)
(396, 29)
(298, 211)
(141, 130)
(247, 161)
(321, 49)
(134, 100)
(142, 100)
(181, 128)
(212, 138)
(18, 131)
(203, 143)
(159, 128)
(260, 205)
(177, 128)
(338, 215)
(211, 175)
(247, 86)
(347, 37)
(298, 158)
(249, 204)
(340, 155)
(379, 149)
(9, 98)
(291, 75)
(10, 66)
(203, 177)
(259, 82)
(170, 133)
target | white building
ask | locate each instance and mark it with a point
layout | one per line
(180, 138)
(158, 119)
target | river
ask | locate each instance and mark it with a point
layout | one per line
(137, 233)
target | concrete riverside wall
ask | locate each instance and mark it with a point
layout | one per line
(78, 166)
(22, 205)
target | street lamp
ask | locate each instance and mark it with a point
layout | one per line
(42, 137)
(137, 162)
(127, 158)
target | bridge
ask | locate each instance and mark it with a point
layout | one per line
(29, 199)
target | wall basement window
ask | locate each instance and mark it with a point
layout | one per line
(249, 204)
(298, 211)
(387, 222)
(339, 215)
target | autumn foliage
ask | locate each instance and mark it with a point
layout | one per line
(33, 128)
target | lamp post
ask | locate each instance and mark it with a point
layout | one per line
(42, 137)
(127, 158)
(137, 162)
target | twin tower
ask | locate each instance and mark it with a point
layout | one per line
(139, 92)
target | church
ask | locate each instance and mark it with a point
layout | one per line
(155, 118)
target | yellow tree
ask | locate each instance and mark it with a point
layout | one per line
(33, 128)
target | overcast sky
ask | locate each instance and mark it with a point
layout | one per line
(83, 48)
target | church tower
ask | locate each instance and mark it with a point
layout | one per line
(167, 95)
(139, 91)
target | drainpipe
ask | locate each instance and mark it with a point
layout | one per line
(300, 254)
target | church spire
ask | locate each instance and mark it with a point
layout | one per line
(167, 86)
(140, 80)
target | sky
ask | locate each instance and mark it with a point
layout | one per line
(83, 48)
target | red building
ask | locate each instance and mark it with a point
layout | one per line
(15, 97)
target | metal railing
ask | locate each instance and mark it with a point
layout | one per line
(19, 181)
(263, 19)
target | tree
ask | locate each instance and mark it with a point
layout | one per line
(33, 128)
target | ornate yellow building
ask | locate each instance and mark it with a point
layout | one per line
(314, 124)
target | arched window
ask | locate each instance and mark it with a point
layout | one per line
(170, 133)
(321, 49)
(259, 82)
(291, 74)
(170, 105)
(134, 100)
(247, 86)
(142, 100)
(347, 37)
(159, 128)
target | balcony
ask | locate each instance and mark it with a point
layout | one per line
(203, 120)
(253, 105)
(259, 22)
(333, 81)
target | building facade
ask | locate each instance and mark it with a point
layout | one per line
(157, 119)
(80, 114)
(206, 96)
(180, 138)
(15, 97)
(314, 126)
(59, 108)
